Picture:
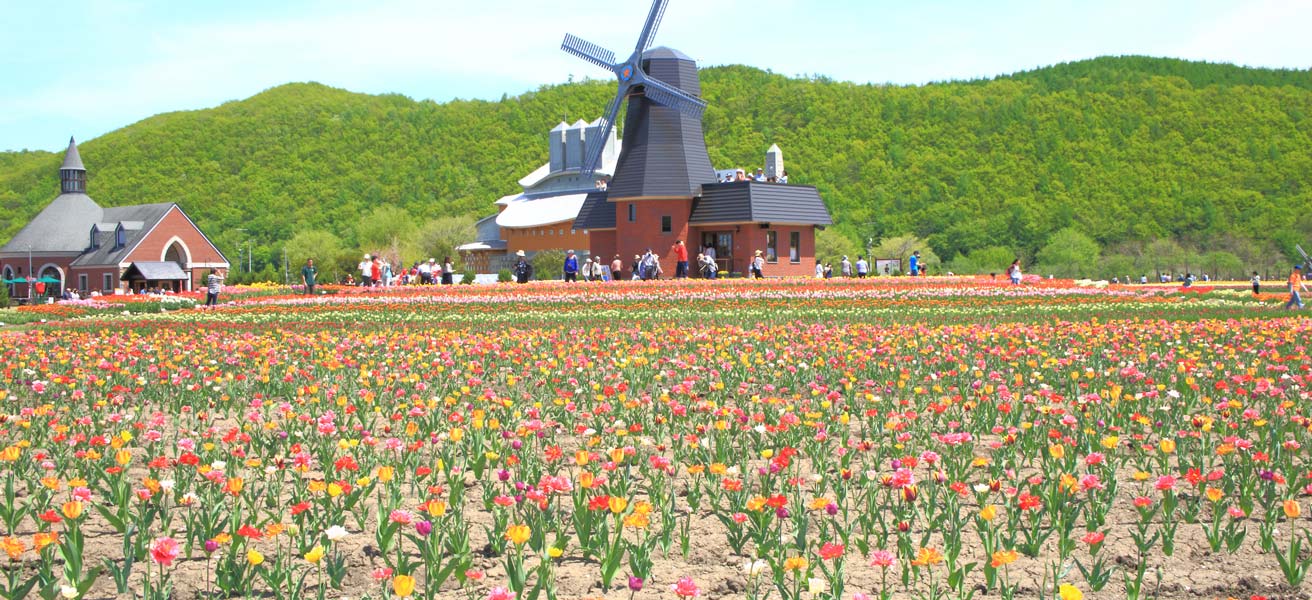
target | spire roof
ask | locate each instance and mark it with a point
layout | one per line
(72, 160)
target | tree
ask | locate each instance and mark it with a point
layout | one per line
(831, 246)
(993, 259)
(548, 265)
(385, 228)
(1069, 253)
(438, 238)
(326, 250)
(901, 247)
(1164, 256)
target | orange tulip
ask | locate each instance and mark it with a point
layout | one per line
(1292, 509)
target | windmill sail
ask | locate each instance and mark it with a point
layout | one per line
(595, 147)
(588, 51)
(654, 17)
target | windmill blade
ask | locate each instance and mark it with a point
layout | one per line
(1306, 258)
(597, 146)
(653, 23)
(668, 95)
(588, 51)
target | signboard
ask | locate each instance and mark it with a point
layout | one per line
(888, 266)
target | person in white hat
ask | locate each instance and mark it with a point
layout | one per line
(523, 269)
(758, 264)
(367, 271)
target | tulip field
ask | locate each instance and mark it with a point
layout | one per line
(875, 439)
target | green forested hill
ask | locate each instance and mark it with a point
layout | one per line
(1126, 150)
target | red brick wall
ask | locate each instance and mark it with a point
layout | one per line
(602, 244)
(752, 237)
(645, 231)
(18, 265)
(536, 238)
(175, 224)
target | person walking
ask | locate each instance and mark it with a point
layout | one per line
(616, 268)
(448, 271)
(214, 285)
(523, 269)
(758, 266)
(1257, 283)
(862, 267)
(915, 263)
(845, 267)
(680, 260)
(366, 271)
(308, 275)
(376, 271)
(1295, 284)
(571, 267)
(1014, 272)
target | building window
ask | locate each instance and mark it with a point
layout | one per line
(633, 213)
(82, 282)
(666, 224)
(109, 283)
(772, 246)
(795, 247)
(94, 231)
(120, 238)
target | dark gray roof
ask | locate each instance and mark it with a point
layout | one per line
(756, 202)
(664, 151)
(137, 221)
(487, 229)
(72, 160)
(62, 226)
(597, 212)
(155, 271)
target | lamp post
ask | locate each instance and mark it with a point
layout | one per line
(30, 279)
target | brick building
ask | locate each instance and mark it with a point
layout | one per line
(76, 243)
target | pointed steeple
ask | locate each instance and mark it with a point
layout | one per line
(72, 175)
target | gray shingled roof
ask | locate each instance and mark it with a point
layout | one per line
(756, 202)
(63, 226)
(72, 160)
(155, 271)
(137, 220)
(597, 212)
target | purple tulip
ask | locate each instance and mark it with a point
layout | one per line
(424, 528)
(781, 512)
(635, 584)
(517, 444)
(211, 546)
(503, 475)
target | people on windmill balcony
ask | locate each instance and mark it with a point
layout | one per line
(759, 175)
(571, 267)
(783, 178)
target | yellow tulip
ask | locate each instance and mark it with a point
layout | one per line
(1167, 446)
(617, 504)
(988, 513)
(254, 557)
(314, 555)
(72, 509)
(517, 534)
(1069, 592)
(403, 586)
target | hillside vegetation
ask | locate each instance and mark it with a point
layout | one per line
(1126, 151)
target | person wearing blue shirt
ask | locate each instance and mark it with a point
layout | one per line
(915, 263)
(571, 266)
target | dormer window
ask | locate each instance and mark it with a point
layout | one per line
(120, 237)
(95, 232)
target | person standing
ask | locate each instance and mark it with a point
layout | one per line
(366, 271)
(523, 269)
(214, 285)
(915, 263)
(448, 273)
(862, 267)
(758, 266)
(1014, 272)
(1257, 283)
(616, 268)
(376, 271)
(571, 267)
(819, 269)
(1295, 284)
(845, 267)
(426, 273)
(681, 260)
(308, 275)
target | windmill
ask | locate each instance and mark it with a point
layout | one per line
(656, 83)
(1307, 261)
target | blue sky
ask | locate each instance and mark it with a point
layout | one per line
(86, 67)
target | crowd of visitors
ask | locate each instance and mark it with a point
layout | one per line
(377, 271)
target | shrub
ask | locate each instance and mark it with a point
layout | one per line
(4, 296)
(467, 278)
(505, 276)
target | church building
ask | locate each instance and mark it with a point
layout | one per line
(76, 243)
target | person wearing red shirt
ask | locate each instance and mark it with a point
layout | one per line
(681, 260)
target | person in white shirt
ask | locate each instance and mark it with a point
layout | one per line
(426, 273)
(819, 270)
(862, 267)
(846, 267)
(366, 271)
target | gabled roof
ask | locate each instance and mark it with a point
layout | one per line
(596, 213)
(155, 271)
(137, 222)
(756, 202)
(61, 227)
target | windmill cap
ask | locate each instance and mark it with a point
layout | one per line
(665, 52)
